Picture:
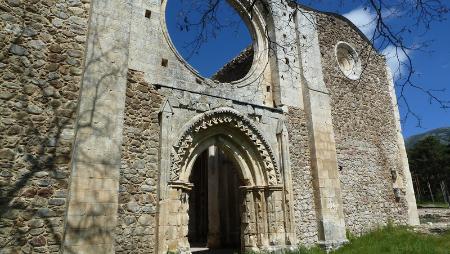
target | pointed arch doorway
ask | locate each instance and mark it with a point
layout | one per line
(215, 202)
(252, 196)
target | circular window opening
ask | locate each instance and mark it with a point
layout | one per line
(348, 60)
(211, 37)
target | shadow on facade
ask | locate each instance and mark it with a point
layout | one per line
(37, 152)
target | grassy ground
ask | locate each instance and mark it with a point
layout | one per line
(433, 205)
(392, 240)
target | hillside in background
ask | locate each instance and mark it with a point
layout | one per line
(429, 162)
(442, 134)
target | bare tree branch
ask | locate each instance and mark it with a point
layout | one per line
(417, 16)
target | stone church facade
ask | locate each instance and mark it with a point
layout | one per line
(111, 142)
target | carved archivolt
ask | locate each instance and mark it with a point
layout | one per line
(230, 118)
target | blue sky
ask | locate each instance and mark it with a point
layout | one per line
(432, 64)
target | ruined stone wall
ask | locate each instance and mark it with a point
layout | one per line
(42, 49)
(135, 232)
(237, 68)
(365, 133)
(299, 154)
(43, 44)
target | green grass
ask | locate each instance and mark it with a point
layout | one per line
(433, 205)
(391, 240)
(303, 250)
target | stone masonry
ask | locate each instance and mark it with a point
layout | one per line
(139, 171)
(42, 51)
(364, 125)
(104, 127)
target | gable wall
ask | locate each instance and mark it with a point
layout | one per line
(364, 128)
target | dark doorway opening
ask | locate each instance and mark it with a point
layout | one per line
(215, 203)
(198, 203)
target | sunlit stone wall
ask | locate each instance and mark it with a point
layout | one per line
(43, 46)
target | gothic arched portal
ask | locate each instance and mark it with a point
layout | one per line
(262, 200)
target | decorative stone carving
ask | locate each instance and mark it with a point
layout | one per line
(230, 118)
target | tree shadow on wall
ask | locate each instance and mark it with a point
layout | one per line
(37, 140)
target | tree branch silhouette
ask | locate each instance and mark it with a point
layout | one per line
(419, 17)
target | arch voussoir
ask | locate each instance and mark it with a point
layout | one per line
(224, 119)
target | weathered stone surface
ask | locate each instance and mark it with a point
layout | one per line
(37, 44)
(56, 201)
(18, 50)
(304, 208)
(30, 89)
(29, 193)
(363, 121)
(7, 154)
(34, 109)
(136, 127)
(55, 48)
(29, 32)
(14, 3)
(45, 213)
(135, 146)
(38, 241)
(36, 223)
(6, 95)
(35, 210)
(74, 53)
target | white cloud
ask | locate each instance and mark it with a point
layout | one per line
(363, 19)
(397, 60)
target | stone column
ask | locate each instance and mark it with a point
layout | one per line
(224, 202)
(271, 217)
(93, 193)
(275, 217)
(327, 189)
(174, 219)
(261, 216)
(213, 198)
(166, 113)
(248, 221)
(288, 197)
